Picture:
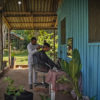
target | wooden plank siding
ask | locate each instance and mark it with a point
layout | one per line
(76, 13)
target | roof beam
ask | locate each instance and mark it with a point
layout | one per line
(29, 14)
(6, 22)
(32, 17)
(35, 28)
(30, 22)
(16, 13)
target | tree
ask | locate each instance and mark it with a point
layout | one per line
(41, 35)
(49, 38)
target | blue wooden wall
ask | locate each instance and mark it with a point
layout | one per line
(76, 13)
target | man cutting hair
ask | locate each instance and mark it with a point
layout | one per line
(32, 48)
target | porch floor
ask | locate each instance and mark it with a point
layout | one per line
(20, 76)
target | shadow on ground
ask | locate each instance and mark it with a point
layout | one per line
(20, 76)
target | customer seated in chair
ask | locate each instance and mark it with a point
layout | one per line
(41, 61)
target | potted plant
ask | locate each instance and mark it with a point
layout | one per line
(14, 93)
(44, 97)
(73, 70)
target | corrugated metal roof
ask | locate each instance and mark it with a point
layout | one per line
(31, 14)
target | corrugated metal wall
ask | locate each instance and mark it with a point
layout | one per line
(76, 13)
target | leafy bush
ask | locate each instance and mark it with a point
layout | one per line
(65, 66)
(63, 79)
(44, 97)
(11, 89)
(93, 98)
(73, 69)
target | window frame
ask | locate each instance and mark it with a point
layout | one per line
(63, 29)
(93, 40)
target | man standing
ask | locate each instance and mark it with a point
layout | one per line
(32, 47)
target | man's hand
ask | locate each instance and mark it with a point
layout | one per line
(38, 47)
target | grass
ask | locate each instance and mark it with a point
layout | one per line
(23, 60)
(21, 56)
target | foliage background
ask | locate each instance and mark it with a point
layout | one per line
(41, 35)
(21, 53)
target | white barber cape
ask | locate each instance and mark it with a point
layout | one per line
(31, 50)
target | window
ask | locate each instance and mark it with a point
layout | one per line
(63, 31)
(69, 47)
(94, 20)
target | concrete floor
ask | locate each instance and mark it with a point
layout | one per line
(20, 76)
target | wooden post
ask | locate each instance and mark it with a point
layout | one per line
(1, 42)
(9, 47)
(54, 48)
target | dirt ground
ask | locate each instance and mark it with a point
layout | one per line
(20, 76)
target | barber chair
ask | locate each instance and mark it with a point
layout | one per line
(42, 69)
